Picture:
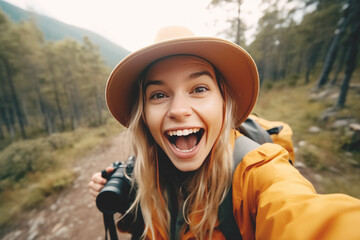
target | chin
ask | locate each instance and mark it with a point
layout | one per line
(187, 166)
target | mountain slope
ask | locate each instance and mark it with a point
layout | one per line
(56, 30)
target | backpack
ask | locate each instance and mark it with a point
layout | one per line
(256, 131)
(262, 131)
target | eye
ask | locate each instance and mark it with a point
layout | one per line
(157, 95)
(200, 89)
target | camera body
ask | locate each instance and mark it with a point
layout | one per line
(117, 195)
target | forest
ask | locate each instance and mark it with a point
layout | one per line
(49, 87)
(52, 92)
(326, 38)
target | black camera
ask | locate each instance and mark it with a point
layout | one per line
(117, 195)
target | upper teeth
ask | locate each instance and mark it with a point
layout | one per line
(183, 132)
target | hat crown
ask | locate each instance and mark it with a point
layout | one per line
(172, 32)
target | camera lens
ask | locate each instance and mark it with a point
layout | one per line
(114, 197)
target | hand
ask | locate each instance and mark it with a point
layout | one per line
(98, 182)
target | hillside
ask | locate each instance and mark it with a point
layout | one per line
(326, 140)
(56, 30)
(46, 212)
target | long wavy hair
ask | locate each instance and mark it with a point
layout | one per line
(208, 185)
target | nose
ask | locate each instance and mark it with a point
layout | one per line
(179, 108)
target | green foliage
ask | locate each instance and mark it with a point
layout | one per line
(293, 80)
(32, 170)
(267, 85)
(285, 47)
(235, 19)
(350, 141)
(25, 157)
(55, 30)
(311, 159)
(48, 87)
(36, 156)
(27, 195)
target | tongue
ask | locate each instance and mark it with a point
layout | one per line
(186, 143)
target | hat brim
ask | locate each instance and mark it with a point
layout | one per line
(233, 62)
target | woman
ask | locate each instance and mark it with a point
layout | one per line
(181, 99)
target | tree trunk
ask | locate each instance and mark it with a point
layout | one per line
(11, 117)
(75, 105)
(332, 51)
(57, 98)
(5, 120)
(74, 101)
(14, 97)
(263, 64)
(2, 136)
(3, 106)
(311, 61)
(238, 30)
(6, 117)
(261, 72)
(351, 56)
(299, 66)
(98, 101)
(43, 110)
(286, 65)
(340, 65)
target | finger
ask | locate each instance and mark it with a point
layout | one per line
(95, 186)
(109, 169)
(94, 189)
(97, 178)
(93, 193)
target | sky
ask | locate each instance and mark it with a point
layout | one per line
(133, 23)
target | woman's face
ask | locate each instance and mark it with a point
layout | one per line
(183, 109)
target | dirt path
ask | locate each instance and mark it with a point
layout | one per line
(72, 214)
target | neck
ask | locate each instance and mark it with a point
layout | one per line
(169, 173)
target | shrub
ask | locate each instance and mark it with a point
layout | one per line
(31, 170)
(25, 157)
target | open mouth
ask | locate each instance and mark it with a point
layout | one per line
(185, 140)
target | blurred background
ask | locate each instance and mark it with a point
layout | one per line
(55, 130)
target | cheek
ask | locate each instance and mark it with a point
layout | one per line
(213, 109)
(153, 121)
(215, 117)
(211, 113)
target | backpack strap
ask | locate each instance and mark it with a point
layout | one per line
(228, 224)
(110, 226)
(254, 131)
(242, 146)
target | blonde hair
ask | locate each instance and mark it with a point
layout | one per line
(210, 183)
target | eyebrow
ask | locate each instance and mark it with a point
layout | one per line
(153, 82)
(191, 76)
(199, 74)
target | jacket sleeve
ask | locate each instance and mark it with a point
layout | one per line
(272, 200)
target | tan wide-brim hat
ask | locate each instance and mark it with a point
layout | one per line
(235, 64)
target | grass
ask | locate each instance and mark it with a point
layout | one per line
(325, 152)
(34, 169)
(31, 170)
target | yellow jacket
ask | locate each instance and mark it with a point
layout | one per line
(272, 200)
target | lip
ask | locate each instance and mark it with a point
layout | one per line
(182, 154)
